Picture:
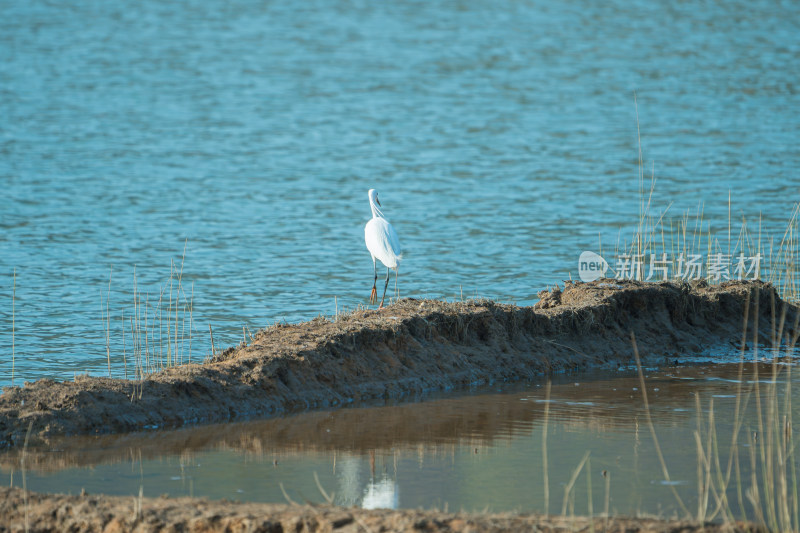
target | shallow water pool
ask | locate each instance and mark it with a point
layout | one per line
(500, 448)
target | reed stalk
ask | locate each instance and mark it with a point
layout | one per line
(108, 322)
(544, 447)
(650, 424)
(571, 483)
(24, 477)
(13, 325)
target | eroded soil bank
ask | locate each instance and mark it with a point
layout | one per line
(110, 514)
(411, 346)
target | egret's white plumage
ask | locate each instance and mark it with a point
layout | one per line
(382, 243)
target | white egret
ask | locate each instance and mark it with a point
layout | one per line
(382, 244)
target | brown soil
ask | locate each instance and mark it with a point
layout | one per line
(108, 514)
(411, 346)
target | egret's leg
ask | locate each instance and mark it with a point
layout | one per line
(373, 296)
(396, 294)
(384, 287)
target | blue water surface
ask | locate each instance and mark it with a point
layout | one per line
(502, 137)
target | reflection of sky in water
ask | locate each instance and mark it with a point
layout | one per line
(456, 452)
(503, 140)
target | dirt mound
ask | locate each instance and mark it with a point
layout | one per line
(117, 514)
(411, 346)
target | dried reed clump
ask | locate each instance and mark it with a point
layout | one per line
(770, 495)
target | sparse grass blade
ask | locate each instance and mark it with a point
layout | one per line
(571, 482)
(13, 325)
(544, 447)
(650, 424)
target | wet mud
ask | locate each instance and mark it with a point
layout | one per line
(110, 514)
(410, 347)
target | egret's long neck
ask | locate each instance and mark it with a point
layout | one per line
(376, 212)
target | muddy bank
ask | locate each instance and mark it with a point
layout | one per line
(108, 514)
(411, 346)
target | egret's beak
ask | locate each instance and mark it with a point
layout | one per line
(378, 201)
